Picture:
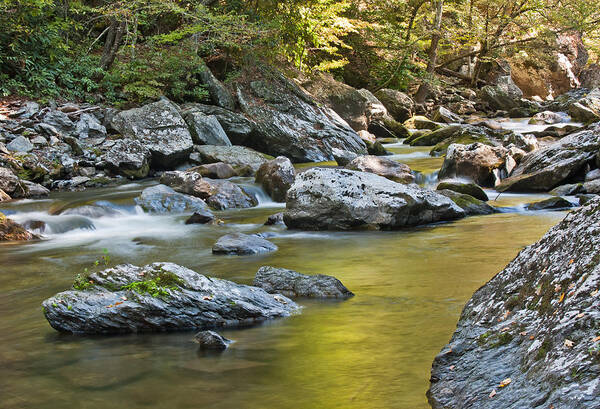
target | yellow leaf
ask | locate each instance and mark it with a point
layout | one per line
(569, 343)
(562, 297)
(493, 393)
(505, 382)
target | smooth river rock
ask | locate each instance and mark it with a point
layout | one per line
(276, 176)
(163, 199)
(211, 340)
(533, 328)
(340, 199)
(159, 297)
(293, 284)
(243, 244)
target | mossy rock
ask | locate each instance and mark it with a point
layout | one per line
(471, 189)
(442, 147)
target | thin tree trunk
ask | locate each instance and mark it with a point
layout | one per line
(111, 45)
(425, 87)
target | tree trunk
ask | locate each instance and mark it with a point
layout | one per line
(425, 87)
(111, 45)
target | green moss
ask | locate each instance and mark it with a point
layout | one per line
(503, 339)
(543, 351)
(82, 282)
(442, 147)
(158, 286)
(483, 338)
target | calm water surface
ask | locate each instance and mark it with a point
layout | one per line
(372, 351)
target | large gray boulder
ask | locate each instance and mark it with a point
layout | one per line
(340, 199)
(88, 126)
(238, 128)
(553, 165)
(388, 168)
(159, 297)
(276, 177)
(206, 129)
(236, 156)
(163, 199)
(399, 105)
(59, 121)
(129, 158)
(219, 95)
(505, 95)
(293, 284)
(532, 328)
(241, 244)
(587, 108)
(218, 194)
(290, 123)
(160, 127)
(483, 164)
(471, 205)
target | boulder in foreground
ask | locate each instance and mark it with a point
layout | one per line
(532, 328)
(159, 297)
(293, 284)
(340, 199)
(243, 244)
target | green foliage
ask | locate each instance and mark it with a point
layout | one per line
(159, 286)
(82, 281)
(170, 71)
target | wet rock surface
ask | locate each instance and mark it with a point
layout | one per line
(553, 203)
(532, 328)
(293, 284)
(466, 188)
(163, 199)
(12, 231)
(389, 169)
(471, 205)
(159, 297)
(276, 177)
(236, 156)
(477, 162)
(339, 199)
(211, 340)
(243, 244)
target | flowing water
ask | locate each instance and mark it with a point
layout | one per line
(371, 351)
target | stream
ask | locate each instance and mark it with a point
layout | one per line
(371, 351)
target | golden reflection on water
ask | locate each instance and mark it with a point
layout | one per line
(372, 351)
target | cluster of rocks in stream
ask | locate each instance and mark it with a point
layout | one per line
(529, 337)
(167, 297)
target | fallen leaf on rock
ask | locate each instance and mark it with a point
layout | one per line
(505, 382)
(109, 306)
(451, 367)
(505, 329)
(596, 339)
(580, 315)
(207, 297)
(119, 302)
(531, 337)
(569, 343)
(493, 393)
(571, 261)
(593, 294)
(562, 297)
(523, 333)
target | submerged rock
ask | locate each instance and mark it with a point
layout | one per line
(159, 297)
(531, 328)
(293, 284)
(202, 217)
(211, 340)
(276, 176)
(160, 127)
(553, 203)
(275, 219)
(163, 199)
(218, 170)
(389, 169)
(340, 199)
(243, 244)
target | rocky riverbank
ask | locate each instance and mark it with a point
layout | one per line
(529, 337)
